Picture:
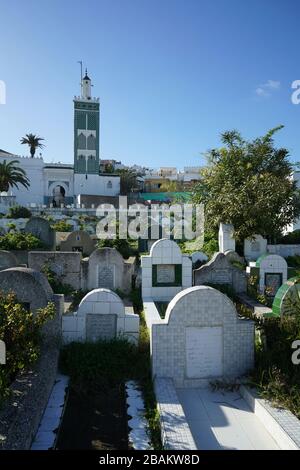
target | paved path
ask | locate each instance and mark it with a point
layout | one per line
(223, 420)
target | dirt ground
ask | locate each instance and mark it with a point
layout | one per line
(96, 422)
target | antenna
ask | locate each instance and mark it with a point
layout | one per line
(80, 62)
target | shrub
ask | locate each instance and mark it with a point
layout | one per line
(122, 245)
(293, 261)
(19, 212)
(62, 226)
(275, 374)
(291, 238)
(77, 296)
(20, 331)
(211, 244)
(57, 285)
(20, 241)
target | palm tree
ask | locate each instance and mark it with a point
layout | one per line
(12, 175)
(33, 141)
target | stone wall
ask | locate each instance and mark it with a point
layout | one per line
(66, 265)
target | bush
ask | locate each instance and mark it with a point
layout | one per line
(123, 246)
(20, 331)
(77, 296)
(293, 261)
(19, 241)
(276, 376)
(291, 238)
(57, 285)
(211, 244)
(19, 212)
(62, 226)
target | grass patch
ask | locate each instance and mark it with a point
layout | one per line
(105, 365)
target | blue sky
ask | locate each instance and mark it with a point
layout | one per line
(171, 74)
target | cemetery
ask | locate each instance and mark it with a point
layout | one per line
(180, 326)
(174, 330)
(163, 344)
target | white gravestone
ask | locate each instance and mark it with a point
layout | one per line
(226, 238)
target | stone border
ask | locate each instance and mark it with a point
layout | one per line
(137, 422)
(175, 431)
(280, 423)
(46, 436)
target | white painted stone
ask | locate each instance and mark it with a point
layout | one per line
(226, 238)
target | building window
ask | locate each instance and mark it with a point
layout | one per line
(91, 142)
(81, 141)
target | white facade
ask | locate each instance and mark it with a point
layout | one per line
(47, 180)
(97, 185)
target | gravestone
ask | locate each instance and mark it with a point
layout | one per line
(220, 271)
(108, 269)
(287, 298)
(7, 260)
(255, 247)
(31, 287)
(78, 241)
(201, 339)
(165, 271)
(272, 273)
(226, 238)
(41, 229)
(101, 315)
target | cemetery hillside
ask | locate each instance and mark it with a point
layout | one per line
(149, 232)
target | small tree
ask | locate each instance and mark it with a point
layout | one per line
(249, 184)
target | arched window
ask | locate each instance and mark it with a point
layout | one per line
(109, 185)
(91, 142)
(81, 141)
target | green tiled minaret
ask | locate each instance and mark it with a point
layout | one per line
(86, 130)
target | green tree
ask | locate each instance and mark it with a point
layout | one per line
(11, 175)
(248, 184)
(128, 181)
(33, 141)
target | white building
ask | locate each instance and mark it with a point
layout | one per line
(59, 183)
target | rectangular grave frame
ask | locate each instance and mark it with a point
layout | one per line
(178, 276)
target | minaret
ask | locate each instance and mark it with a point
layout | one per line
(86, 130)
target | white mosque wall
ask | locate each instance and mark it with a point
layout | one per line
(34, 171)
(96, 185)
